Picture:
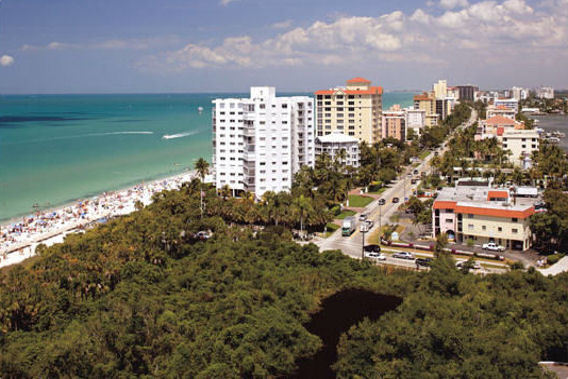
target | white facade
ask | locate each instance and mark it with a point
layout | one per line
(519, 93)
(260, 142)
(507, 103)
(521, 143)
(415, 119)
(493, 111)
(333, 143)
(545, 93)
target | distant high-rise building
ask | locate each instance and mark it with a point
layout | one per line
(519, 93)
(353, 110)
(394, 123)
(467, 92)
(427, 103)
(545, 93)
(260, 142)
(440, 89)
(415, 120)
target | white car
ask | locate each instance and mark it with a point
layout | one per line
(403, 255)
(377, 256)
(492, 246)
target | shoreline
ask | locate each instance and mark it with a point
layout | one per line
(19, 237)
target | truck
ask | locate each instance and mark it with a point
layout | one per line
(348, 226)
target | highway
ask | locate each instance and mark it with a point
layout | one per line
(353, 245)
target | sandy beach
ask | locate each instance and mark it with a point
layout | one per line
(18, 239)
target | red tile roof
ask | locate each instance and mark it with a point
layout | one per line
(444, 205)
(500, 120)
(493, 212)
(370, 91)
(358, 80)
(497, 195)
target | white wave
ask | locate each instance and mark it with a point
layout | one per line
(179, 135)
(116, 133)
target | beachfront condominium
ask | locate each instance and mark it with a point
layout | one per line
(333, 144)
(426, 102)
(354, 110)
(260, 142)
(545, 93)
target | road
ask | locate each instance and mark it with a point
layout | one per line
(353, 245)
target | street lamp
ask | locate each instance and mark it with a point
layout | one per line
(363, 229)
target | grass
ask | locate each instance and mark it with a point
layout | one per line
(358, 201)
(379, 191)
(424, 154)
(345, 213)
(331, 227)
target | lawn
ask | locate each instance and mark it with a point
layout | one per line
(331, 227)
(345, 213)
(358, 201)
(379, 191)
(424, 154)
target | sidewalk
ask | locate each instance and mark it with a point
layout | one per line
(557, 268)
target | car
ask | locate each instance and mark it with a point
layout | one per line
(475, 265)
(403, 255)
(202, 235)
(381, 201)
(362, 217)
(377, 256)
(413, 181)
(415, 172)
(424, 262)
(372, 248)
(395, 199)
(369, 223)
(492, 246)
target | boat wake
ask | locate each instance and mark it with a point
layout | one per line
(116, 133)
(179, 135)
(81, 136)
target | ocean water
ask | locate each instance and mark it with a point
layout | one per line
(58, 148)
(551, 123)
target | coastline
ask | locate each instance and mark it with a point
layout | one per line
(18, 241)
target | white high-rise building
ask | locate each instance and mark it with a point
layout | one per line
(545, 93)
(519, 93)
(260, 142)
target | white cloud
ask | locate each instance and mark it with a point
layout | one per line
(6, 60)
(451, 4)
(226, 2)
(113, 44)
(282, 24)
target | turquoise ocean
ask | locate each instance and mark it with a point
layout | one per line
(58, 148)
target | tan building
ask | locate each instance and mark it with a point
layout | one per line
(482, 215)
(354, 110)
(503, 111)
(394, 123)
(427, 103)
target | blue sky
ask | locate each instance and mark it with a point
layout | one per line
(104, 46)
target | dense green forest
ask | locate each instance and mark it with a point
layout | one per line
(142, 295)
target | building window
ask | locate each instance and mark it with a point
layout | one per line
(470, 226)
(470, 216)
(499, 229)
(483, 227)
(515, 231)
(515, 219)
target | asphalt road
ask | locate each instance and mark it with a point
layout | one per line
(353, 245)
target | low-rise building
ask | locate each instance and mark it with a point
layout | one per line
(334, 143)
(482, 215)
(493, 111)
(511, 104)
(521, 143)
(394, 123)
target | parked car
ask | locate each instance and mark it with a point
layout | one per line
(492, 246)
(415, 172)
(413, 181)
(395, 199)
(362, 217)
(475, 266)
(377, 256)
(372, 248)
(403, 255)
(202, 235)
(424, 262)
(381, 201)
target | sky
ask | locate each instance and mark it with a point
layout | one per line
(143, 46)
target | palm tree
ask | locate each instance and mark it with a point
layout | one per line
(202, 167)
(301, 204)
(225, 192)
